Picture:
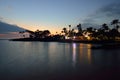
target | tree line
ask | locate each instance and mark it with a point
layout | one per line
(102, 33)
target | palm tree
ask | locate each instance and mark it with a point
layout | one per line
(31, 33)
(115, 22)
(46, 33)
(71, 33)
(79, 28)
(38, 33)
(69, 28)
(114, 33)
(90, 29)
(105, 27)
(65, 31)
(115, 30)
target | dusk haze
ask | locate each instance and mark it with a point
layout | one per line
(59, 39)
(56, 14)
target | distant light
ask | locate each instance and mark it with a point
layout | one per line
(74, 37)
(88, 37)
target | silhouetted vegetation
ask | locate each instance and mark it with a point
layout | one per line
(104, 33)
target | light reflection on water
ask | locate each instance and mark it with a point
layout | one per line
(84, 52)
(74, 53)
(43, 60)
(89, 53)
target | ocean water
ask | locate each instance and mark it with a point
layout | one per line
(57, 61)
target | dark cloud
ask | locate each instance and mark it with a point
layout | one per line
(104, 15)
(112, 11)
(6, 28)
(86, 25)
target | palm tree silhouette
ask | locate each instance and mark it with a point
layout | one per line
(79, 28)
(115, 22)
(65, 31)
(105, 28)
(69, 28)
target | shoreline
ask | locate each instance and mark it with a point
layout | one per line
(66, 40)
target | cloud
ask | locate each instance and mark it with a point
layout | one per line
(6, 28)
(104, 14)
(112, 11)
(1, 18)
(86, 25)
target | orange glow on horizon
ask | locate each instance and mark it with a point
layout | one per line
(53, 30)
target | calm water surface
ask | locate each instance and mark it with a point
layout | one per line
(57, 61)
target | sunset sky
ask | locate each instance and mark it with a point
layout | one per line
(56, 14)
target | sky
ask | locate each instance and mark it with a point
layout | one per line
(53, 15)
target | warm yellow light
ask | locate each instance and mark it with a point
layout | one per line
(89, 53)
(88, 38)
